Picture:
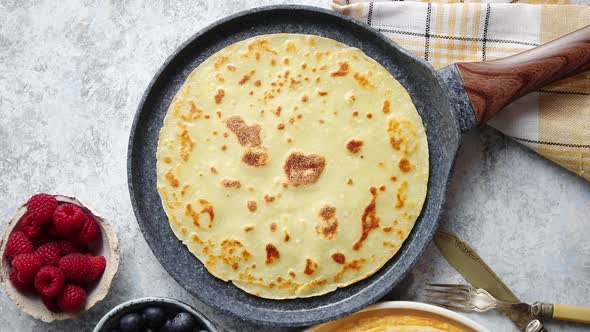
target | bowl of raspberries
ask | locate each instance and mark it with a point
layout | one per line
(58, 257)
(154, 314)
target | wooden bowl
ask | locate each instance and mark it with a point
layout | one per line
(30, 303)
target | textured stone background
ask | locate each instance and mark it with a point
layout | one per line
(71, 76)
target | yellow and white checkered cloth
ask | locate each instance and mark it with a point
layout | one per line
(554, 121)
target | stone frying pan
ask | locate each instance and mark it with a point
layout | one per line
(450, 101)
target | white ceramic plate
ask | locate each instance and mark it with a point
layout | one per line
(415, 308)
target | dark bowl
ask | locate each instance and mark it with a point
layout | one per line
(110, 320)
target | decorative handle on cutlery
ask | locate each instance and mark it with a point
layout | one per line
(565, 312)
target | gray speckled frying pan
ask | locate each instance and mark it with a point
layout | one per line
(450, 101)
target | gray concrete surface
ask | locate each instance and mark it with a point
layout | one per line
(72, 73)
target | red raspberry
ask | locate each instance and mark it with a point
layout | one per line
(18, 243)
(31, 227)
(27, 265)
(68, 220)
(75, 267)
(50, 253)
(70, 247)
(41, 207)
(97, 266)
(21, 286)
(51, 231)
(72, 298)
(90, 231)
(50, 303)
(49, 281)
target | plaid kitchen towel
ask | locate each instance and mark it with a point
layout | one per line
(554, 121)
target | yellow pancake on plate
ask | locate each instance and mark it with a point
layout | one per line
(292, 165)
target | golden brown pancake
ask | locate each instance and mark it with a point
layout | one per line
(292, 165)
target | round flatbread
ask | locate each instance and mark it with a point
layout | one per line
(292, 165)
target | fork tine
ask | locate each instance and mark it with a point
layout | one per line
(452, 292)
(455, 286)
(449, 306)
(457, 301)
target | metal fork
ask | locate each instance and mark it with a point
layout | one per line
(462, 298)
(467, 298)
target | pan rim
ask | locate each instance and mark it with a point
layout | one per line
(384, 287)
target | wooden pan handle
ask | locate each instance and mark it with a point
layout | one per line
(494, 84)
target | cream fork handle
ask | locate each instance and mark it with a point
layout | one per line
(564, 312)
(571, 313)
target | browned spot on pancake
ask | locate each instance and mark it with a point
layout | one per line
(171, 179)
(400, 233)
(255, 157)
(401, 196)
(405, 165)
(246, 77)
(304, 98)
(220, 61)
(304, 66)
(355, 113)
(194, 112)
(247, 135)
(184, 189)
(278, 111)
(232, 253)
(189, 212)
(167, 160)
(229, 183)
(349, 182)
(286, 60)
(280, 126)
(342, 70)
(223, 147)
(231, 67)
(310, 266)
(324, 67)
(273, 62)
(328, 227)
(183, 230)
(387, 229)
(317, 79)
(285, 185)
(219, 77)
(289, 140)
(299, 116)
(322, 93)
(252, 206)
(354, 145)
(213, 170)
(248, 228)
(395, 221)
(225, 134)
(215, 133)
(381, 164)
(339, 258)
(382, 188)
(401, 133)
(257, 83)
(292, 274)
(354, 265)
(269, 198)
(272, 254)
(286, 237)
(251, 93)
(186, 145)
(302, 169)
(369, 220)
(273, 226)
(393, 178)
(362, 80)
(321, 121)
(369, 116)
(219, 96)
(257, 56)
(386, 107)
(207, 116)
(196, 238)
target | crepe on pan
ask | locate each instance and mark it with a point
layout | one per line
(292, 165)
